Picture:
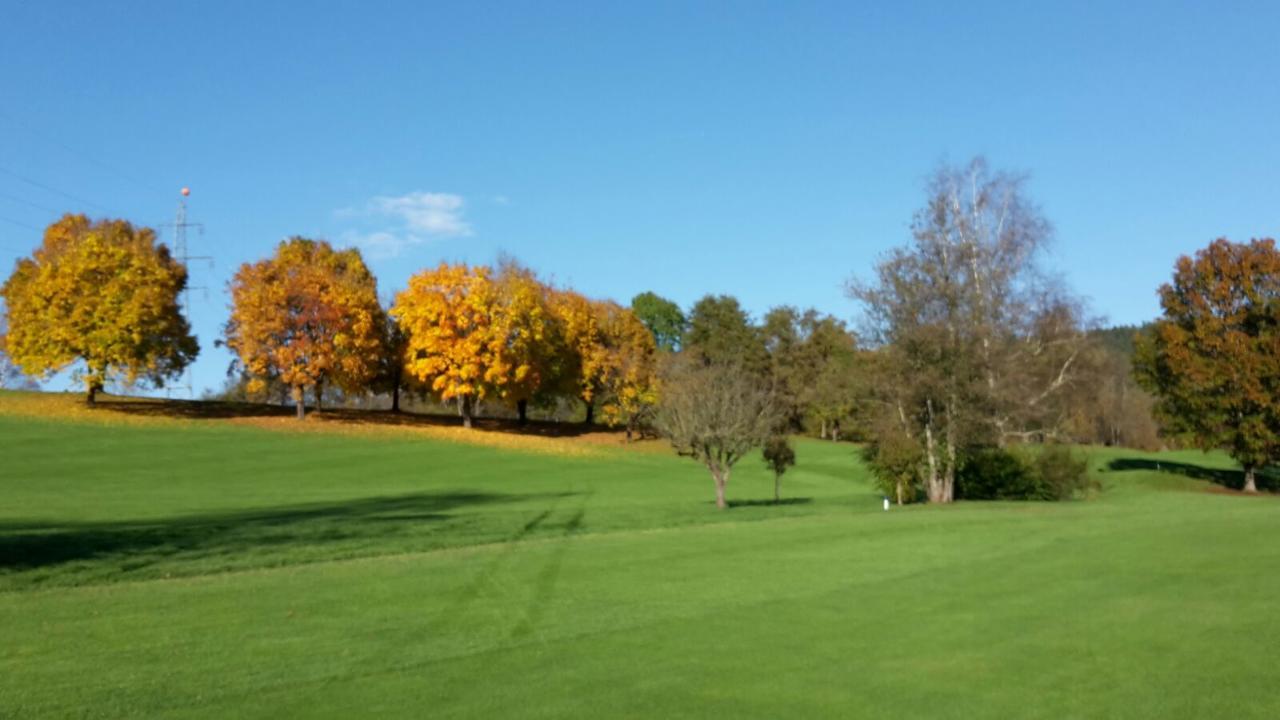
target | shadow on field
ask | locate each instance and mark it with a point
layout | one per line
(220, 410)
(1233, 479)
(27, 546)
(770, 503)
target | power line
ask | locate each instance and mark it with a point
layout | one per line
(19, 223)
(37, 206)
(42, 186)
(83, 155)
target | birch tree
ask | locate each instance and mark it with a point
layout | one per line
(980, 343)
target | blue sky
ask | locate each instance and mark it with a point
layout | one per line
(768, 150)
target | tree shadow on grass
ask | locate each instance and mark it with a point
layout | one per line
(222, 410)
(1228, 478)
(770, 503)
(242, 538)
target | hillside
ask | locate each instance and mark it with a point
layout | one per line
(211, 565)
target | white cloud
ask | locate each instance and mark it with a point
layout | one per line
(394, 223)
(425, 212)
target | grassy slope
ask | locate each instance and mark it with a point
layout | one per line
(404, 577)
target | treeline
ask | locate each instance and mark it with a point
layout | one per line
(307, 322)
(968, 349)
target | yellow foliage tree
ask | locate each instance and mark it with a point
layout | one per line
(447, 315)
(100, 293)
(307, 316)
(473, 333)
(629, 367)
(526, 337)
(611, 358)
(583, 347)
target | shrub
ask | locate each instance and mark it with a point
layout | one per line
(994, 474)
(895, 463)
(1050, 472)
(1060, 473)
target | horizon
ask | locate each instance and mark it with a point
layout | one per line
(766, 153)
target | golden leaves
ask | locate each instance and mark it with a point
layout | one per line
(448, 316)
(308, 314)
(101, 292)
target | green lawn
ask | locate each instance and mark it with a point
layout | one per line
(216, 571)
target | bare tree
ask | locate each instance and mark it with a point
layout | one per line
(980, 343)
(715, 413)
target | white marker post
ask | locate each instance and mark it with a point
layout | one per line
(886, 504)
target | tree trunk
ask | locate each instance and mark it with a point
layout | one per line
(777, 488)
(932, 486)
(824, 429)
(591, 414)
(631, 425)
(395, 398)
(898, 491)
(300, 401)
(464, 407)
(1249, 485)
(949, 473)
(522, 409)
(91, 392)
(319, 395)
(721, 478)
(835, 431)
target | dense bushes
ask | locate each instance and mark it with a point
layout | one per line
(1050, 472)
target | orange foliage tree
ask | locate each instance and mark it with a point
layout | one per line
(306, 316)
(1213, 360)
(101, 293)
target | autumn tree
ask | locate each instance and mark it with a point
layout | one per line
(528, 345)
(715, 413)
(307, 316)
(11, 376)
(980, 344)
(102, 296)
(627, 372)
(609, 358)
(448, 314)
(1213, 359)
(390, 378)
(663, 318)
(582, 366)
(1109, 407)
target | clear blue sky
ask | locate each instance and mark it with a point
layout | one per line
(770, 151)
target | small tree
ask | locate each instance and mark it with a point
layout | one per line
(715, 413)
(102, 294)
(778, 456)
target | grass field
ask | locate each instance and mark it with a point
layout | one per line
(209, 569)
